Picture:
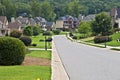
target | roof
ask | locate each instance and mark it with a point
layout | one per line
(89, 17)
(23, 20)
(49, 24)
(14, 25)
(68, 17)
(40, 19)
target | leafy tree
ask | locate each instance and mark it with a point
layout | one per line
(84, 27)
(47, 11)
(102, 24)
(28, 31)
(36, 30)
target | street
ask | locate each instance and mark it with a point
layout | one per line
(84, 62)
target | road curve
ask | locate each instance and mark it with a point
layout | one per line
(84, 62)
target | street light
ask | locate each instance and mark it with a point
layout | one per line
(44, 34)
(105, 30)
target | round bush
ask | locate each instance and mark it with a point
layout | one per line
(12, 51)
(56, 32)
(26, 40)
(15, 33)
(74, 37)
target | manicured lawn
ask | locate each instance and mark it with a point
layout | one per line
(40, 54)
(114, 40)
(25, 72)
(28, 72)
(40, 44)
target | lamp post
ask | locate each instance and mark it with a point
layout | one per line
(105, 31)
(45, 36)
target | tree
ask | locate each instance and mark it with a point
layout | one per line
(28, 31)
(102, 24)
(36, 30)
(73, 8)
(47, 11)
(84, 27)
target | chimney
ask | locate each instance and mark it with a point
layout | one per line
(12, 19)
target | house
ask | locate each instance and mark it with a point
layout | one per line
(59, 24)
(87, 18)
(115, 17)
(31, 22)
(23, 21)
(40, 21)
(67, 22)
(49, 26)
(14, 26)
(3, 25)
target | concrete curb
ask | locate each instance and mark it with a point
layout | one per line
(58, 71)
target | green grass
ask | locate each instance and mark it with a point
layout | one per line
(28, 72)
(114, 40)
(36, 40)
(115, 49)
(25, 72)
(40, 54)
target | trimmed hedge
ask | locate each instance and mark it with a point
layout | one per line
(26, 40)
(56, 32)
(101, 39)
(15, 34)
(12, 51)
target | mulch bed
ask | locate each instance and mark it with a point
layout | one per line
(32, 61)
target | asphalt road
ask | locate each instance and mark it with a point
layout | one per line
(84, 62)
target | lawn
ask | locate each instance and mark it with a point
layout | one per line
(40, 54)
(28, 72)
(25, 72)
(40, 44)
(114, 42)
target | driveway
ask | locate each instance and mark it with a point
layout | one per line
(84, 62)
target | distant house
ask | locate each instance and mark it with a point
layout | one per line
(40, 21)
(14, 26)
(87, 18)
(115, 17)
(59, 24)
(3, 25)
(49, 26)
(23, 21)
(67, 22)
(31, 22)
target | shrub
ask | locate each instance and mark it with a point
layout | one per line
(34, 45)
(36, 31)
(28, 31)
(56, 32)
(12, 51)
(49, 40)
(15, 34)
(26, 40)
(101, 39)
(74, 37)
(70, 34)
(46, 33)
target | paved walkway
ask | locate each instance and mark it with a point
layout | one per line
(84, 62)
(58, 71)
(38, 49)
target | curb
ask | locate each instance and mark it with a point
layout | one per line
(58, 71)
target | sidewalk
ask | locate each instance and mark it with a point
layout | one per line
(39, 49)
(58, 71)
